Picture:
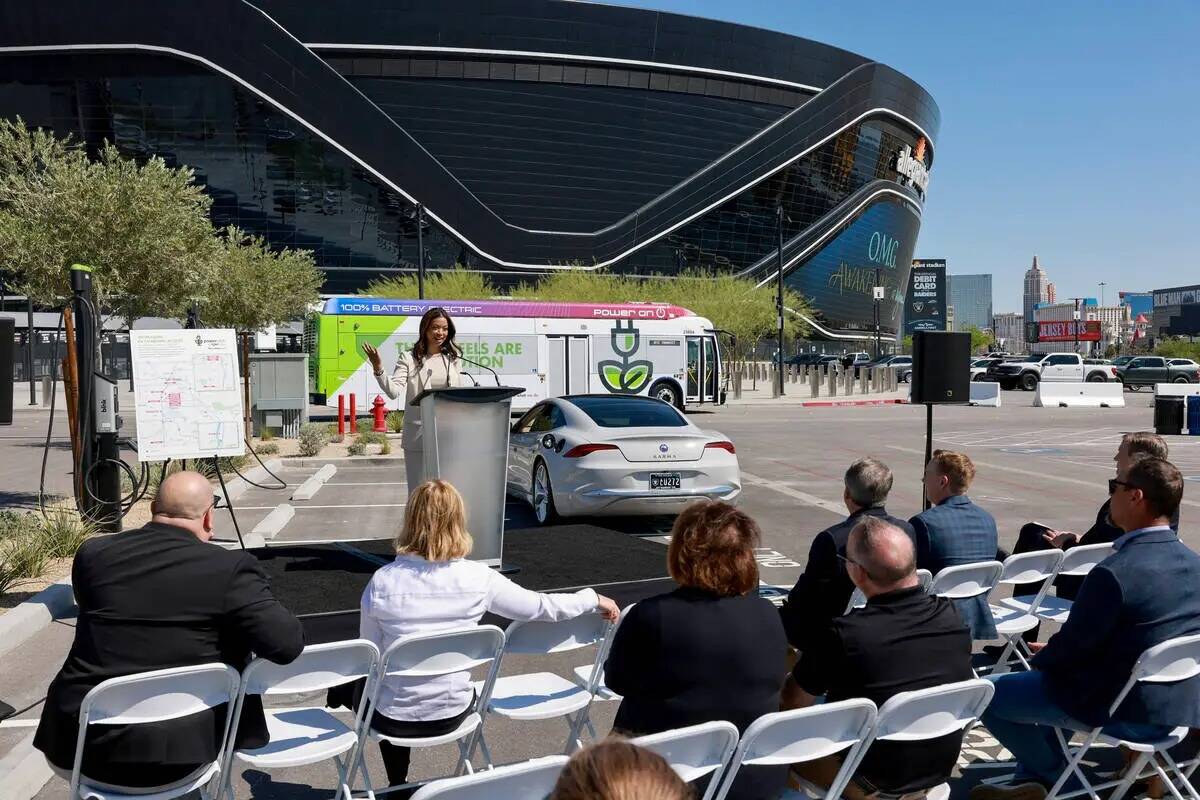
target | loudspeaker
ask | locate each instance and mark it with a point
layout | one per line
(8, 346)
(941, 367)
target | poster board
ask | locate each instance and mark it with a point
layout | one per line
(187, 393)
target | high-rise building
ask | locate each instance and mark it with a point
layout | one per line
(1009, 327)
(1035, 288)
(971, 297)
(1051, 294)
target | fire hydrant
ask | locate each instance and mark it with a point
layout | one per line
(379, 411)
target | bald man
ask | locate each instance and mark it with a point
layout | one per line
(902, 640)
(156, 597)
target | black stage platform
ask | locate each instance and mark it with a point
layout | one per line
(322, 584)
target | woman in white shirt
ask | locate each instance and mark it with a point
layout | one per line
(433, 362)
(431, 586)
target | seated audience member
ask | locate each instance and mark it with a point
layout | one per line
(955, 531)
(1139, 444)
(824, 588)
(156, 597)
(615, 769)
(711, 649)
(1142, 595)
(431, 586)
(904, 639)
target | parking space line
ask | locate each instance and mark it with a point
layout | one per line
(803, 497)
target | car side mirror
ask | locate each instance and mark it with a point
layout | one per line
(548, 441)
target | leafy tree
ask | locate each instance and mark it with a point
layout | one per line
(142, 227)
(980, 339)
(1178, 348)
(906, 344)
(452, 284)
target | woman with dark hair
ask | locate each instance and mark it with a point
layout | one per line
(710, 650)
(433, 362)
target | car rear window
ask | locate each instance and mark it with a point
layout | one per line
(629, 412)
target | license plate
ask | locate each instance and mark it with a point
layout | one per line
(664, 480)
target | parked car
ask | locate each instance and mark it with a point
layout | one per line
(855, 359)
(616, 454)
(979, 367)
(1053, 367)
(1149, 370)
(1121, 361)
(902, 365)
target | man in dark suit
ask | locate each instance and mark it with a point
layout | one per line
(903, 640)
(824, 588)
(955, 531)
(156, 597)
(1142, 595)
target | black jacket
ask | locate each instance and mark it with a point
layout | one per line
(153, 598)
(824, 588)
(690, 656)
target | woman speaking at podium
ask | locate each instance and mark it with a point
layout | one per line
(432, 363)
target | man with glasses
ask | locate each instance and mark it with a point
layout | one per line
(156, 597)
(902, 640)
(1140, 596)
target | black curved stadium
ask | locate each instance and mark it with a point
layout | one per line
(533, 134)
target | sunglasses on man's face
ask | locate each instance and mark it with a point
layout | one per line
(849, 560)
(1113, 483)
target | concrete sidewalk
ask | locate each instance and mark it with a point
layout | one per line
(799, 394)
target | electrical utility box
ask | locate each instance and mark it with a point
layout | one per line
(279, 392)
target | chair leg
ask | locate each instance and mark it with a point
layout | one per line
(1001, 665)
(1184, 778)
(483, 749)
(1073, 761)
(1132, 772)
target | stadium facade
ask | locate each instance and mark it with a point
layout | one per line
(513, 136)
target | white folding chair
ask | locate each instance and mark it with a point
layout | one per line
(806, 734)
(301, 736)
(859, 600)
(584, 672)
(544, 695)
(429, 655)
(1077, 562)
(1169, 662)
(156, 696)
(695, 751)
(528, 779)
(931, 713)
(1022, 568)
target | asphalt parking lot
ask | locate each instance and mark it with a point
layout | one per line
(1033, 463)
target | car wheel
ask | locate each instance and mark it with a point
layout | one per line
(667, 392)
(906, 377)
(1096, 377)
(1133, 387)
(1029, 381)
(542, 495)
(1181, 379)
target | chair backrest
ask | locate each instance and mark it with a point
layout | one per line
(1080, 560)
(318, 667)
(156, 696)
(966, 580)
(933, 712)
(696, 750)
(428, 655)
(536, 638)
(858, 599)
(1036, 567)
(602, 653)
(806, 734)
(529, 779)
(1171, 661)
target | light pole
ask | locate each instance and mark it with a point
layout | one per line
(1076, 326)
(420, 253)
(877, 293)
(779, 295)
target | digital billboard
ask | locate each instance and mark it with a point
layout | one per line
(839, 280)
(925, 301)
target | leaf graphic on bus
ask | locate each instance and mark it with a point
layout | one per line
(635, 376)
(610, 375)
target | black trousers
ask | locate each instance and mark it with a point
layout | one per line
(396, 759)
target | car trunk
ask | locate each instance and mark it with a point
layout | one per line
(648, 445)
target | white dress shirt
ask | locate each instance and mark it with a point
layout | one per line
(436, 372)
(412, 595)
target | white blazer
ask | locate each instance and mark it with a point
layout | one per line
(436, 372)
(412, 595)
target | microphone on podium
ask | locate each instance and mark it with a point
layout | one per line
(483, 366)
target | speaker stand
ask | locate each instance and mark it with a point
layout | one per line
(928, 447)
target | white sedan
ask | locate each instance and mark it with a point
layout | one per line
(616, 454)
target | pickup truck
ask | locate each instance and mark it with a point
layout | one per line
(1053, 367)
(1149, 370)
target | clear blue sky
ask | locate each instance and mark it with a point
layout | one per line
(1070, 129)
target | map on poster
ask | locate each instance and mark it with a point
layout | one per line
(187, 393)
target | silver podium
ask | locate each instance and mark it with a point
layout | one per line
(465, 440)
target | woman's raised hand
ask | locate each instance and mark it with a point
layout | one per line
(373, 356)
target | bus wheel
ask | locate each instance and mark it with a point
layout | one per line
(668, 392)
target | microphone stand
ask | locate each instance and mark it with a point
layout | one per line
(482, 366)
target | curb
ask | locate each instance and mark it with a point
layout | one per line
(54, 602)
(368, 461)
(893, 401)
(239, 486)
(24, 771)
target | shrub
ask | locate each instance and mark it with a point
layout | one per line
(266, 435)
(313, 437)
(395, 421)
(337, 439)
(62, 531)
(371, 437)
(29, 541)
(268, 449)
(357, 448)
(385, 448)
(21, 558)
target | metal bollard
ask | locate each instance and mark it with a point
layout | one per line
(833, 376)
(737, 386)
(848, 383)
(814, 383)
(774, 383)
(46, 389)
